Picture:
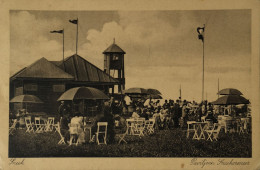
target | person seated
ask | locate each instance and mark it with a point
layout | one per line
(145, 114)
(76, 129)
(210, 117)
(135, 115)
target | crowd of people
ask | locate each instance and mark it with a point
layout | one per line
(170, 113)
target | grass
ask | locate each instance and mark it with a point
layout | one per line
(164, 143)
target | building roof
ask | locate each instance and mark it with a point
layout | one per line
(114, 48)
(76, 68)
(82, 70)
(42, 68)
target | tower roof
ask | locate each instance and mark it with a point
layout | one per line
(114, 48)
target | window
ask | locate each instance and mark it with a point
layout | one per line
(115, 57)
(31, 87)
(58, 88)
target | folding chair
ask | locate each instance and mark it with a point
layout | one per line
(139, 127)
(73, 129)
(61, 141)
(243, 126)
(29, 125)
(39, 127)
(190, 128)
(122, 136)
(150, 126)
(57, 125)
(101, 131)
(12, 128)
(214, 132)
(228, 125)
(49, 125)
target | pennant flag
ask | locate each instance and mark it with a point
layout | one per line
(75, 21)
(201, 33)
(59, 31)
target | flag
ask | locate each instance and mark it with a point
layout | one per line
(75, 21)
(200, 31)
(59, 31)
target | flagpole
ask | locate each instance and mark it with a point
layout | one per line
(180, 91)
(77, 36)
(63, 51)
(218, 87)
(203, 67)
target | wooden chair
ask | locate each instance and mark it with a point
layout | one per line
(101, 131)
(190, 128)
(56, 126)
(62, 140)
(49, 125)
(29, 125)
(150, 126)
(139, 127)
(244, 123)
(229, 126)
(122, 136)
(13, 127)
(38, 125)
(214, 132)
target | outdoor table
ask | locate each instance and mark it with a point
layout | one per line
(135, 126)
(199, 129)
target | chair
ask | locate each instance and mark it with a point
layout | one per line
(101, 132)
(150, 126)
(214, 132)
(122, 136)
(139, 127)
(29, 125)
(131, 126)
(74, 132)
(244, 123)
(49, 125)
(190, 128)
(62, 140)
(228, 125)
(38, 125)
(12, 128)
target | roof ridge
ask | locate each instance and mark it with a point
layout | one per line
(22, 70)
(49, 62)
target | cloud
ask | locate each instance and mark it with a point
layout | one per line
(227, 69)
(163, 52)
(29, 41)
(162, 48)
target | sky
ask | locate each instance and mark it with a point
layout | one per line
(162, 47)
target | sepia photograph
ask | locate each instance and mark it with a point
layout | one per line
(130, 83)
(126, 86)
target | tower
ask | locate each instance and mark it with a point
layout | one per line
(114, 64)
